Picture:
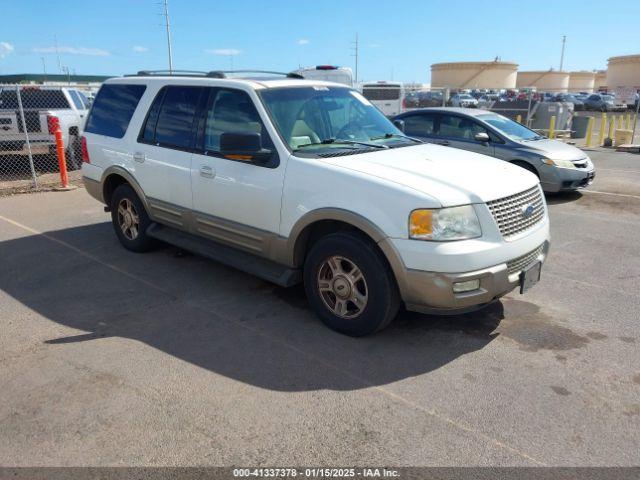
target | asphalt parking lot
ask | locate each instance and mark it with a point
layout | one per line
(113, 358)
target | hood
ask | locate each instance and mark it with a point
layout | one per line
(451, 176)
(554, 149)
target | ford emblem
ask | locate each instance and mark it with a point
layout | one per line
(527, 211)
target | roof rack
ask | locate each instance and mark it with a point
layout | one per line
(211, 74)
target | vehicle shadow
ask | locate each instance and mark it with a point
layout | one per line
(562, 197)
(218, 318)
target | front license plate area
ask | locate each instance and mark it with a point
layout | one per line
(530, 276)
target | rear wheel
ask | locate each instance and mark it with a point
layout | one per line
(130, 220)
(349, 285)
(73, 153)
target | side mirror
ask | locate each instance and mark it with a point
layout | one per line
(399, 124)
(482, 137)
(244, 146)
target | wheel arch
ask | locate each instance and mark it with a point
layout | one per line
(115, 176)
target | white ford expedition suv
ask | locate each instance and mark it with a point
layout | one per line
(305, 181)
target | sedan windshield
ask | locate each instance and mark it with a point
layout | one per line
(319, 118)
(511, 129)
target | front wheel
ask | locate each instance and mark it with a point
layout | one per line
(349, 285)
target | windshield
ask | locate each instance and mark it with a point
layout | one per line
(508, 127)
(465, 97)
(319, 117)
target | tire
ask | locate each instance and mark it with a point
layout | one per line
(73, 154)
(130, 220)
(329, 269)
(527, 166)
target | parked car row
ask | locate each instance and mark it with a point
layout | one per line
(299, 180)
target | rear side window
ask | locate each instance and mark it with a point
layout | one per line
(170, 122)
(113, 108)
(419, 125)
(77, 101)
(33, 98)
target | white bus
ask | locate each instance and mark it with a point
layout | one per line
(387, 96)
(328, 73)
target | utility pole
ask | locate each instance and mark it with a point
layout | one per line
(44, 70)
(168, 27)
(564, 41)
(356, 54)
(55, 39)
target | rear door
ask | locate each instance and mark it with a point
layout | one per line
(420, 125)
(459, 131)
(162, 155)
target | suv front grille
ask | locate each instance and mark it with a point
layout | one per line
(517, 264)
(509, 212)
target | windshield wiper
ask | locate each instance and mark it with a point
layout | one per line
(328, 141)
(396, 135)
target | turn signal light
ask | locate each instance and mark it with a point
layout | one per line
(421, 223)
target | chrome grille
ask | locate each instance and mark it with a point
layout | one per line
(517, 264)
(508, 212)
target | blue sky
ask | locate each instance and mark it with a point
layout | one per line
(399, 39)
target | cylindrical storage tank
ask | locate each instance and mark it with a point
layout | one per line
(623, 72)
(600, 80)
(544, 80)
(458, 75)
(581, 81)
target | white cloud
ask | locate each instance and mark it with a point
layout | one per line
(140, 49)
(303, 41)
(225, 52)
(94, 52)
(5, 49)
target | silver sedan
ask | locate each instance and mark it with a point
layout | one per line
(559, 166)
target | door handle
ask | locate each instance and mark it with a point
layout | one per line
(207, 172)
(138, 157)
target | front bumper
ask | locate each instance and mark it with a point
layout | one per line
(432, 292)
(554, 179)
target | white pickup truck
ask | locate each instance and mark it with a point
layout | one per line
(45, 110)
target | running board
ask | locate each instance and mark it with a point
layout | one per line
(246, 262)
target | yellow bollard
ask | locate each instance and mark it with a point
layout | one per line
(612, 126)
(621, 124)
(590, 130)
(603, 127)
(552, 126)
(627, 124)
(519, 118)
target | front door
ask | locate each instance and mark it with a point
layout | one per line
(459, 132)
(235, 201)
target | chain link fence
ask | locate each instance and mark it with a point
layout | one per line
(29, 118)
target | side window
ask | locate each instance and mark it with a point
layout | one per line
(419, 125)
(75, 98)
(170, 122)
(231, 111)
(459, 127)
(113, 108)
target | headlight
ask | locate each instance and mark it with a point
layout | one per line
(453, 223)
(559, 163)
